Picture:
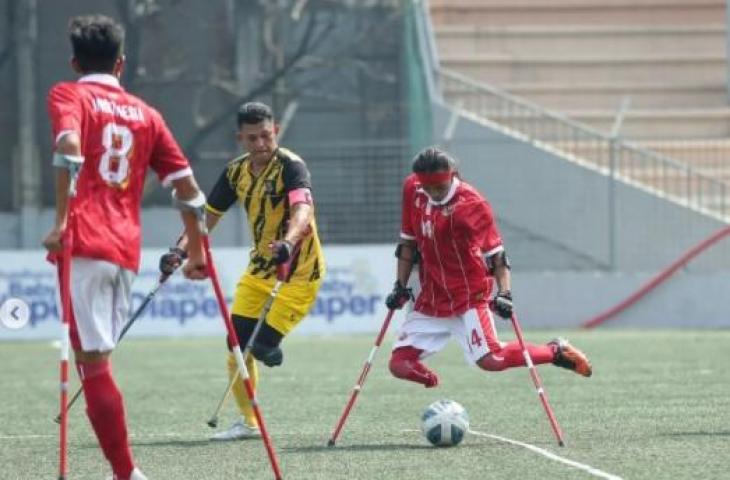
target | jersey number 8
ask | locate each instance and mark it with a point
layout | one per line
(114, 164)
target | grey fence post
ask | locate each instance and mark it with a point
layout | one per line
(614, 144)
(727, 48)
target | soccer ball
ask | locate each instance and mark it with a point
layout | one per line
(444, 423)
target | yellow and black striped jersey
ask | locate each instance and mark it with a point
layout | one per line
(264, 197)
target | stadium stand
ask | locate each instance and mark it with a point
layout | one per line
(583, 58)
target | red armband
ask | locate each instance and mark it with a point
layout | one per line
(300, 195)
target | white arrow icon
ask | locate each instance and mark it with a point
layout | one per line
(14, 313)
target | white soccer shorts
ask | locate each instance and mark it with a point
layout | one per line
(474, 330)
(100, 296)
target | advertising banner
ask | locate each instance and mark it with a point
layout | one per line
(350, 300)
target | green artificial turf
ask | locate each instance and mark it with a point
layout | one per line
(658, 406)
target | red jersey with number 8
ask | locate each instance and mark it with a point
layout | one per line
(121, 136)
(452, 236)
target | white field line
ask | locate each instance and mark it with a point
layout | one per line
(545, 453)
(25, 437)
(586, 468)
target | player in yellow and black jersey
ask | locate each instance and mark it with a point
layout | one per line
(265, 199)
(273, 185)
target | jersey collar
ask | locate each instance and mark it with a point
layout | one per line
(103, 78)
(452, 191)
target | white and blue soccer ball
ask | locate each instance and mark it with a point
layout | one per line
(445, 423)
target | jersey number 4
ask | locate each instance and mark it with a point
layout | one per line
(114, 164)
(475, 341)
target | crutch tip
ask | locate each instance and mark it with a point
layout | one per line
(561, 443)
(331, 442)
(213, 423)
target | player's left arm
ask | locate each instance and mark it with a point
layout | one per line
(300, 219)
(298, 189)
(495, 258)
(501, 271)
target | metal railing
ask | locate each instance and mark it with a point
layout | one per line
(613, 156)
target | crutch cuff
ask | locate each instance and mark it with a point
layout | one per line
(195, 204)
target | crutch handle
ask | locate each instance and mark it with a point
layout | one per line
(283, 270)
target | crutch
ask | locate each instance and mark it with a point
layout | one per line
(538, 383)
(360, 381)
(63, 266)
(236, 349)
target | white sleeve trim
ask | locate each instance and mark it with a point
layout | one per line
(185, 172)
(494, 250)
(405, 236)
(62, 134)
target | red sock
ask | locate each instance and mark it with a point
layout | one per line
(511, 356)
(405, 363)
(105, 409)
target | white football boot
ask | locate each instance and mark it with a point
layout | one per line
(237, 431)
(136, 475)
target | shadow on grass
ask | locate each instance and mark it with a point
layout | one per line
(166, 442)
(171, 443)
(699, 433)
(365, 448)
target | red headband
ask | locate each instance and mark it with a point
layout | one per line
(435, 178)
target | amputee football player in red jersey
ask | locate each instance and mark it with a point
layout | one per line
(114, 137)
(452, 227)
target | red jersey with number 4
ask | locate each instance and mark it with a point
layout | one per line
(452, 236)
(120, 137)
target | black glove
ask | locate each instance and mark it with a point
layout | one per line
(171, 260)
(398, 297)
(503, 304)
(281, 251)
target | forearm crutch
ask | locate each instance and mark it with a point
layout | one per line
(236, 350)
(63, 266)
(538, 383)
(360, 381)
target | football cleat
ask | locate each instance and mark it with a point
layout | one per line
(237, 431)
(136, 475)
(567, 356)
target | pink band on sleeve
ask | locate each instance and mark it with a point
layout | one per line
(300, 195)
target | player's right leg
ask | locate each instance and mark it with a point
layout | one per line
(248, 301)
(480, 343)
(247, 425)
(418, 337)
(478, 338)
(567, 356)
(100, 296)
(291, 305)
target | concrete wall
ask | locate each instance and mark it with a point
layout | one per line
(555, 213)
(568, 299)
